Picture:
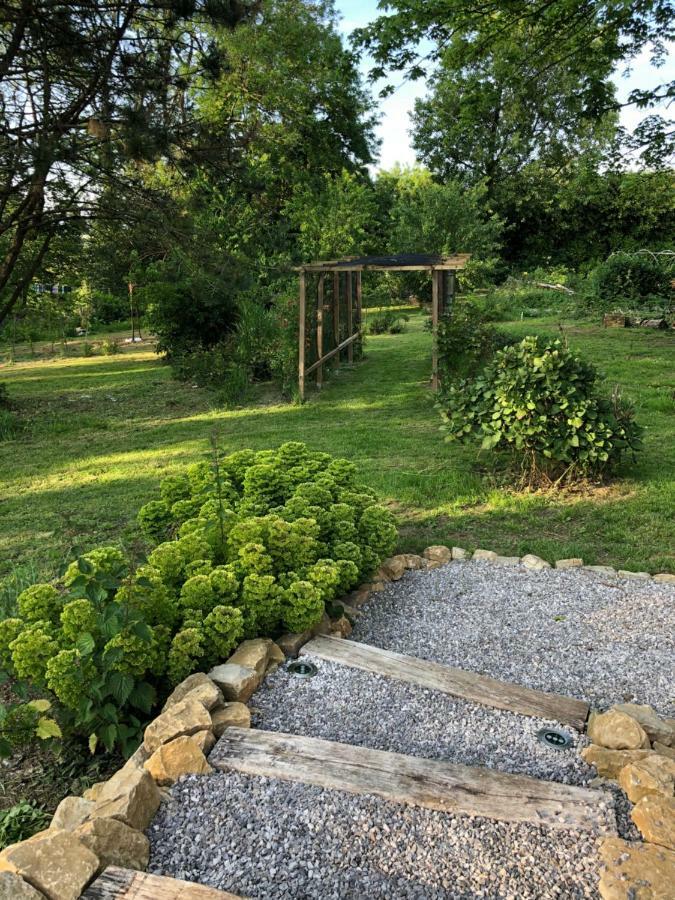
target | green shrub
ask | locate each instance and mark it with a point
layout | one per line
(390, 321)
(20, 822)
(541, 403)
(110, 347)
(630, 279)
(466, 341)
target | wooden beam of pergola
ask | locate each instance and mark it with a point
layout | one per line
(443, 271)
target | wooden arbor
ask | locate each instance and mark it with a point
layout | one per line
(328, 328)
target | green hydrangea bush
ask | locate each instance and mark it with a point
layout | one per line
(249, 544)
(541, 404)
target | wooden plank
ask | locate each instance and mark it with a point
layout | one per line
(431, 783)
(319, 333)
(456, 682)
(331, 353)
(302, 315)
(125, 884)
(336, 308)
(350, 321)
(435, 300)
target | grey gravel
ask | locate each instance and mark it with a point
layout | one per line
(600, 638)
(355, 707)
(264, 838)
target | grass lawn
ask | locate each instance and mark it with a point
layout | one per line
(102, 431)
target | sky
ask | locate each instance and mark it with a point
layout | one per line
(395, 109)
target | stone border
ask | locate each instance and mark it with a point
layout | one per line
(105, 827)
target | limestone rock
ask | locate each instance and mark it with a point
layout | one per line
(358, 598)
(94, 791)
(573, 562)
(71, 812)
(413, 561)
(236, 715)
(376, 587)
(180, 692)
(653, 775)
(656, 728)
(276, 654)
(438, 553)
(180, 757)
(601, 570)
(536, 563)
(610, 762)
(487, 555)
(115, 843)
(13, 887)
(343, 626)
(186, 717)
(664, 578)
(636, 576)
(205, 740)
(322, 627)
(654, 816)
(506, 560)
(57, 863)
(131, 796)
(291, 644)
(662, 750)
(636, 871)
(617, 731)
(393, 569)
(252, 654)
(459, 553)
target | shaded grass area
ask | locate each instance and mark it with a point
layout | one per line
(100, 432)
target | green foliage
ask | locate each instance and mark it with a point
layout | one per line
(542, 404)
(466, 341)
(110, 348)
(20, 822)
(302, 605)
(631, 280)
(388, 321)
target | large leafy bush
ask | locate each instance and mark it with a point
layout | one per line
(542, 404)
(631, 279)
(244, 545)
(466, 340)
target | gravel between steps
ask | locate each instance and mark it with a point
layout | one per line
(600, 638)
(275, 840)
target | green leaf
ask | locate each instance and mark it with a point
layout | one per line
(108, 735)
(142, 631)
(48, 728)
(85, 566)
(85, 643)
(40, 705)
(120, 685)
(143, 696)
(93, 743)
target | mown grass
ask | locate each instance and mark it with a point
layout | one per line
(100, 432)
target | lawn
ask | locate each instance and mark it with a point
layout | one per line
(100, 433)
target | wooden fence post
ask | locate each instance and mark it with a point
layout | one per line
(350, 323)
(358, 301)
(435, 292)
(319, 331)
(336, 310)
(302, 312)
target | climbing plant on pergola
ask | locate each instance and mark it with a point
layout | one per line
(328, 329)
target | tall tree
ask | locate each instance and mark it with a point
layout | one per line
(83, 86)
(584, 36)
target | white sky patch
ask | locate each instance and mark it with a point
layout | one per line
(394, 127)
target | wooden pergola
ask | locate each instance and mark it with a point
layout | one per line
(341, 331)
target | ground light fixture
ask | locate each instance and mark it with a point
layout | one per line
(554, 738)
(302, 668)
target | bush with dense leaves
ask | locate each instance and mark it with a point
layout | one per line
(466, 341)
(631, 279)
(541, 403)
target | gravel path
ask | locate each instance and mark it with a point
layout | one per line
(599, 638)
(356, 707)
(269, 839)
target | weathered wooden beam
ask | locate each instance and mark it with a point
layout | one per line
(359, 300)
(319, 333)
(350, 323)
(125, 884)
(331, 353)
(456, 682)
(302, 315)
(434, 784)
(435, 300)
(336, 308)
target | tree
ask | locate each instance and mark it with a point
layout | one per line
(85, 86)
(587, 38)
(484, 121)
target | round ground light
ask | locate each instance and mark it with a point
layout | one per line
(302, 668)
(554, 738)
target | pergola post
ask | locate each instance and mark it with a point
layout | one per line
(336, 310)
(350, 348)
(302, 312)
(435, 303)
(319, 331)
(358, 300)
